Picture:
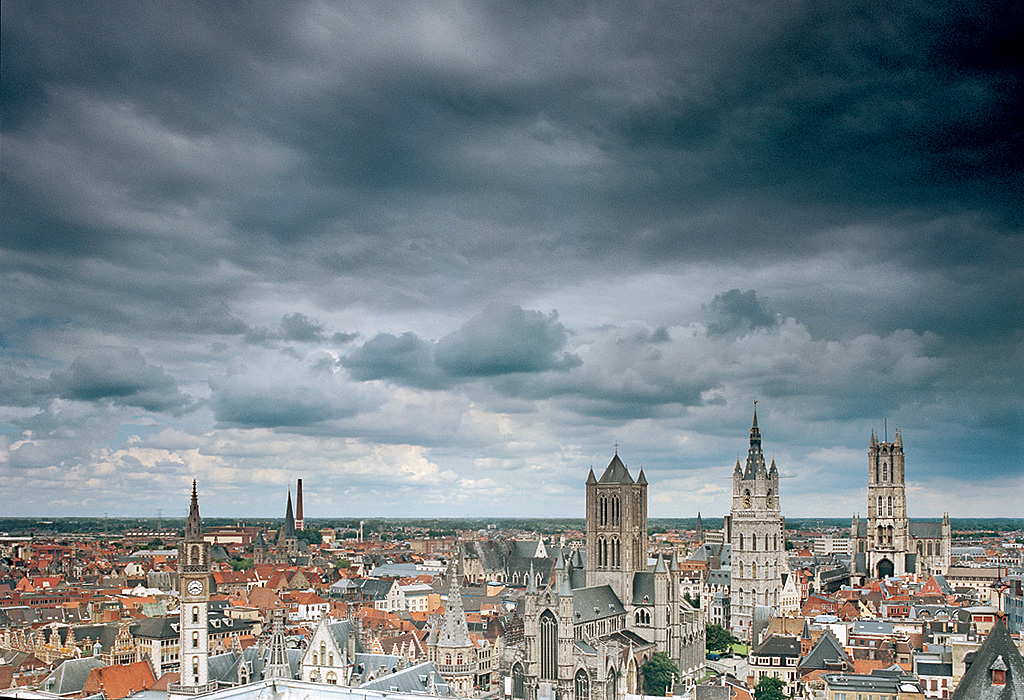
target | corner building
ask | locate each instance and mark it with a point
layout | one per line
(756, 531)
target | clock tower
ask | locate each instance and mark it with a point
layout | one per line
(194, 590)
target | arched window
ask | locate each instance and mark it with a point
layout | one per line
(775, 543)
(879, 506)
(447, 659)
(930, 550)
(615, 510)
(548, 646)
(323, 650)
(332, 678)
(885, 471)
(316, 662)
(920, 548)
(753, 543)
(518, 682)
(889, 507)
(195, 668)
(746, 498)
(582, 682)
(458, 659)
(603, 518)
(741, 569)
(613, 684)
(195, 640)
(753, 567)
(195, 613)
(330, 659)
(741, 541)
(195, 555)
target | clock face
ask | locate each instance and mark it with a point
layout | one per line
(195, 587)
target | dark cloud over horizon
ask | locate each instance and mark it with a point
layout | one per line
(270, 231)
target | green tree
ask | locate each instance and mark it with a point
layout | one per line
(789, 545)
(718, 638)
(342, 563)
(770, 689)
(659, 673)
(695, 602)
(241, 564)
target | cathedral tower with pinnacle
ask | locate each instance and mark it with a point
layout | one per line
(887, 543)
(194, 598)
(757, 534)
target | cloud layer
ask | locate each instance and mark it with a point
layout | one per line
(418, 255)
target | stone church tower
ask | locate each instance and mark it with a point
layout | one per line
(887, 543)
(758, 538)
(194, 589)
(616, 528)
(449, 645)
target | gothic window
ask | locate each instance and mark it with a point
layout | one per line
(753, 543)
(613, 685)
(332, 678)
(769, 499)
(615, 510)
(195, 640)
(315, 661)
(642, 617)
(879, 509)
(741, 541)
(447, 659)
(885, 471)
(881, 535)
(195, 555)
(518, 682)
(330, 659)
(548, 646)
(741, 569)
(889, 507)
(195, 613)
(920, 548)
(604, 511)
(195, 668)
(458, 660)
(746, 498)
(930, 551)
(323, 650)
(775, 543)
(582, 682)
(753, 568)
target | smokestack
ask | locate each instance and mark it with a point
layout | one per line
(299, 523)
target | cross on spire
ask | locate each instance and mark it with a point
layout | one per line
(616, 446)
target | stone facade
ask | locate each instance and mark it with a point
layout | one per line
(604, 611)
(757, 532)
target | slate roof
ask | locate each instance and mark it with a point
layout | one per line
(926, 530)
(977, 681)
(70, 676)
(415, 679)
(643, 588)
(777, 645)
(926, 668)
(615, 473)
(595, 603)
(828, 653)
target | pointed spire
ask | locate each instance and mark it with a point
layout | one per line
(755, 458)
(194, 524)
(565, 591)
(774, 472)
(616, 472)
(700, 526)
(453, 631)
(641, 478)
(591, 479)
(659, 566)
(289, 518)
(531, 581)
(673, 564)
(874, 439)
(898, 440)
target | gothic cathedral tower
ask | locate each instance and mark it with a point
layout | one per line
(194, 589)
(758, 537)
(888, 526)
(616, 528)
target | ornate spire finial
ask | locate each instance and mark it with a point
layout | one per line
(616, 446)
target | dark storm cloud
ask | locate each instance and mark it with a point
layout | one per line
(505, 339)
(301, 328)
(736, 311)
(121, 376)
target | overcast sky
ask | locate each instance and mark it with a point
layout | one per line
(437, 259)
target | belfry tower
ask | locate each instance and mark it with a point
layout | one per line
(194, 590)
(757, 534)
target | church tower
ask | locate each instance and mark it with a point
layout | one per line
(757, 538)
(887, 523)
(616, 528)
(194, 590)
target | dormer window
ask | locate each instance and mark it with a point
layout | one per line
(998, 669)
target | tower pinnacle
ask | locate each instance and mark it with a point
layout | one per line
(194, 524)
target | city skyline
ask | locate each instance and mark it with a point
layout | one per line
(438, 261)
